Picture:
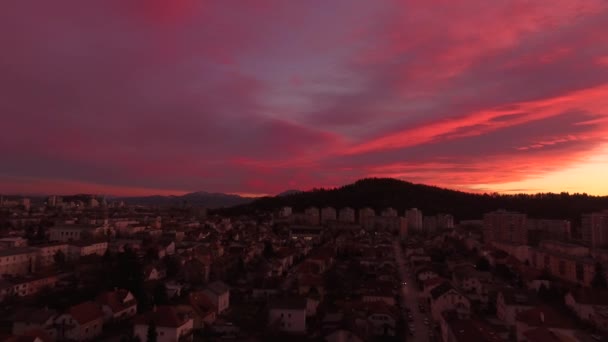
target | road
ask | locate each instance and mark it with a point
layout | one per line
(409, 298)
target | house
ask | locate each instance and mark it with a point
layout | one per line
(205, 312)
(469, 280)
(510, 302)
(382, 317)
(311, 284)
(587, 303)
(444, 297)
(429, 285)
(79, 249)
(288, 314)
(343, 335)
(28, 319)
(82, 322)
(219, 294)
(28, 336)
(459, 329)
(543, 334)
(544, 317)
(170, 325)
(425, 274)
(117, 305)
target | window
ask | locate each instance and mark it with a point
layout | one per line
(282, 315)
(289, 315)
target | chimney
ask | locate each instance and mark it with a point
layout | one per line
(542, 317)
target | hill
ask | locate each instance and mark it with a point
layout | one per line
(201, 198)
(379, 193)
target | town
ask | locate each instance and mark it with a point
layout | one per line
(97, 270)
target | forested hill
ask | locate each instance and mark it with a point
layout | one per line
(379, 193)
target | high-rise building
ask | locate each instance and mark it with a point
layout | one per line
(429, 224)
(346, 214)
(312, 214)
(594, 229)
(414, 219)
(505, 226)
(365, 213)
(445, 221)
(390, 212)
(328, 214)
(550, 229)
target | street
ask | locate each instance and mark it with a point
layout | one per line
(409, 299)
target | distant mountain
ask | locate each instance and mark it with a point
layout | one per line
(289, 193)
(380, 193)
(200, 198)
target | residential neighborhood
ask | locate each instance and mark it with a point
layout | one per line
(136, 273)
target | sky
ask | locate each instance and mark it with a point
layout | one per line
(138, 97)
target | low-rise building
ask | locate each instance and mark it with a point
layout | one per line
(82, 322)
(79, 249)
(117, 305)
(18, 261)
(219, 294)
(170, 325)
(288, 314)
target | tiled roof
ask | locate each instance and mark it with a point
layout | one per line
(590, 296)
(162, 316)
(441, 290)
(116, 300)
(218, 287)
(85, 312)
(34, 315)
(466, 330)
(541, 335)
(545, 316)
(290, 303)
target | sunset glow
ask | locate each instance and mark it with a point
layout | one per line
(257, 97)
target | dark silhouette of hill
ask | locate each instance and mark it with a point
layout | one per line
(379, 193)
(200, 198)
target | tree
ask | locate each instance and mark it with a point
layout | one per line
(483, 264)
(160, 294)
(268, 250)
(599, 279)
(59, 257)
(151, 336)
(174, 266)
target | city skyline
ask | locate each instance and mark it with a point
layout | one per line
(167, 97)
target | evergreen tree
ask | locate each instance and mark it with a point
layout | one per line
(599, 279)
(160, 294)
(483, 264)
(152, 334)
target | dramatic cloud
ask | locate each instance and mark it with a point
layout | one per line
(170, 96)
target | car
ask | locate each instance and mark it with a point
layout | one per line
(404, 283)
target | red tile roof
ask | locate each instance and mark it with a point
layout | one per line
(590, 296)
(545, 316)
(163, 316)
(116, 300)
(86, 312)
(541, 335)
